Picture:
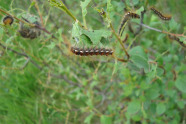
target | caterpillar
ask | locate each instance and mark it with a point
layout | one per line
(8, 20)
(177, 39)
(160, 15)
(126, 38)
(91, 51)
(126, 18)
(133, 15)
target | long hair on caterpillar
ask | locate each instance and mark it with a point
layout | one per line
(160, 15)
(95, 52)
(92, 51)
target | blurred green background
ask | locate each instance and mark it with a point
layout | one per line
(53, 86)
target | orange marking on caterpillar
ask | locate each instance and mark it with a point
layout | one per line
(91, 51)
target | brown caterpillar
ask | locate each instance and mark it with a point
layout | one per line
(177, 39)
(8, 20)
(133, 15)
(91, 51)
(127, 17)
(126, 38)
(160, 15)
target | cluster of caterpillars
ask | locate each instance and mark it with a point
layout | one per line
(91, 51)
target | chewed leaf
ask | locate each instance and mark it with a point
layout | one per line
(85, 39)
(96, 35)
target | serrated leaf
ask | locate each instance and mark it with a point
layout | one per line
(133, 107)
(160, 109)
(181, 83)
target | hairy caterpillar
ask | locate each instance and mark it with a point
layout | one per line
(8, 20)
(159, 14)
(177, 39)
(126, 38)
(126, 18)
(91, 51)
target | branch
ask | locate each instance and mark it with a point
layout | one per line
(118, 38)
(66, 79)
(158, 30)
(21, 54)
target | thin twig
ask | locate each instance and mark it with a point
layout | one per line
(118, 38)
(17, 18)
(66, 79)
(158, 30)
(37, 7)
(21, 54)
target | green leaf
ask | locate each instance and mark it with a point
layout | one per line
(138, 50)
(160, 109)
(140, 62)
(52, 45)
(83, 6)
(88, 118)
(153, 92)
(172, 24)
(139, 58)
(106, 120)
(133, 107)
(181, 104)
(135, 2)
(76, 31)
(85, 39)
(96, 35)
(181, 83)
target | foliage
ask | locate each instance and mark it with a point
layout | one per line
(41, 81)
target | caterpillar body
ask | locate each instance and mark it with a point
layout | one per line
(160, 15)
(177, 39)
(126, 18)
(133, 15)
(91, 51)
(126, 38)
(8, 20)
